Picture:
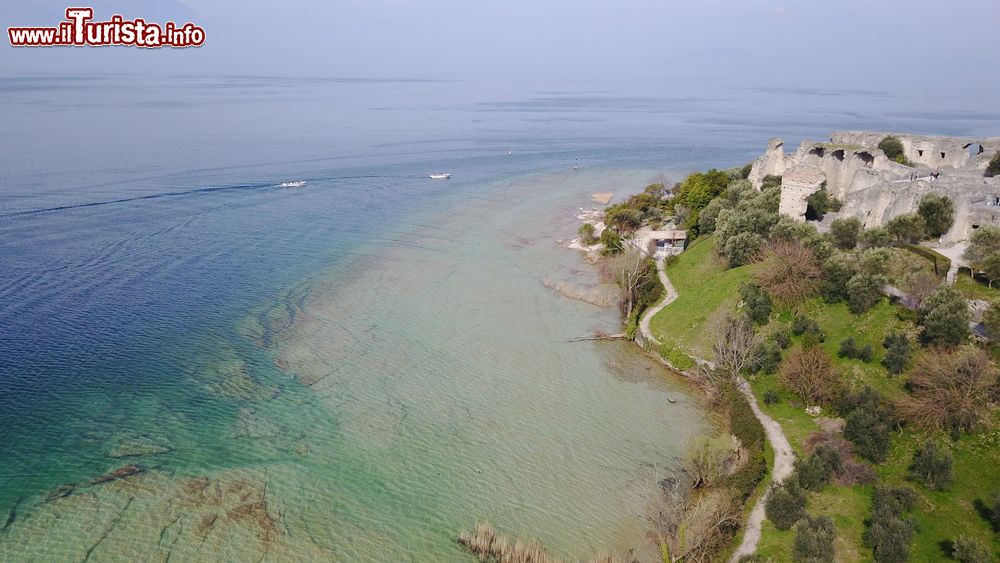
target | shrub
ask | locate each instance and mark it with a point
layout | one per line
(950, 391)
(770, 181)
(745, 170)
(817, 469)
(991, 320)
(771, 397)
(782, 338)
(586, 232)
(938, 212)
(990, 511)
(808, 372)
(744, 425)
(878, 237)
(892, 147)
(767, 357)
(612, 241)
(804, 325)
(864, 292)
(790, 272)
(756, 303)
(909, 228)
(623, 219)
(850, 349)
(898, 351)
(945, 317)
(932, 466)
(786, 503)
(819, 203)
(993, 169)
(889, 533)
(968, 550)
(867, 426)
(838, 269)
(742, 249)
(814, 540)
(985, 241)
(845, 232)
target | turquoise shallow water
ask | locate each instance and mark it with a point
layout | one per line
(391, 401)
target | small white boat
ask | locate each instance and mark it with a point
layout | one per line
(293, 184)
(440, 176)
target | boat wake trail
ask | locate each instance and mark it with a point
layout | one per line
(165, 195)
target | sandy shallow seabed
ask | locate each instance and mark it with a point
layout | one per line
(432, 387)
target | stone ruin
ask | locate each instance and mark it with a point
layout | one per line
(875, 189)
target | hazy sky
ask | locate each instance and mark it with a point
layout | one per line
(853, 44)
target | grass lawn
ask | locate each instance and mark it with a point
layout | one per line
(707, 289)
(705, 286)
(975, 288)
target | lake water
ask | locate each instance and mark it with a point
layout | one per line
(357, 369)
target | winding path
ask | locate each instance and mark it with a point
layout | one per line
(784, 458)
(669, 298)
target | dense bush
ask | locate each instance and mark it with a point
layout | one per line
(586, 233)
(898, 350)
(612, 242)
(864, 291)
(744, 425)
(967, 549)
(991, 321)
(890, 532)
(868, 423)
(767, 358)
(770, 181)
(808, 372)
(782, 337)
(742, 249)
(816, 470)
(756, 303)
(950, 391)
(938, 212)
(993, 169)
(814, 540)
(932, 466)
(838, 269)
(845, 232)
(907, 229)
(850, 349)
(878, 237)
(696, 191)
(893, 149)
(771, 397)
(802, 324)
(790, 272)
(945, 317)
(820, 203)
(786, 503)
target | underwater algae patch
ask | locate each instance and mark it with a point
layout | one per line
(134, 515)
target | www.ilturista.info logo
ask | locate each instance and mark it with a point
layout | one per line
(79, 31)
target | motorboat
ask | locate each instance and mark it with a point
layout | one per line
(293, 184)
(440, 176)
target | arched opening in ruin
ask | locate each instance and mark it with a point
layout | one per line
(865, 157)
(942, 154)
(975, 149)
(817, 151)
(838, 154)
(920, 152)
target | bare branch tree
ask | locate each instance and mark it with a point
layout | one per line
(630, 271)
(736, 345)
